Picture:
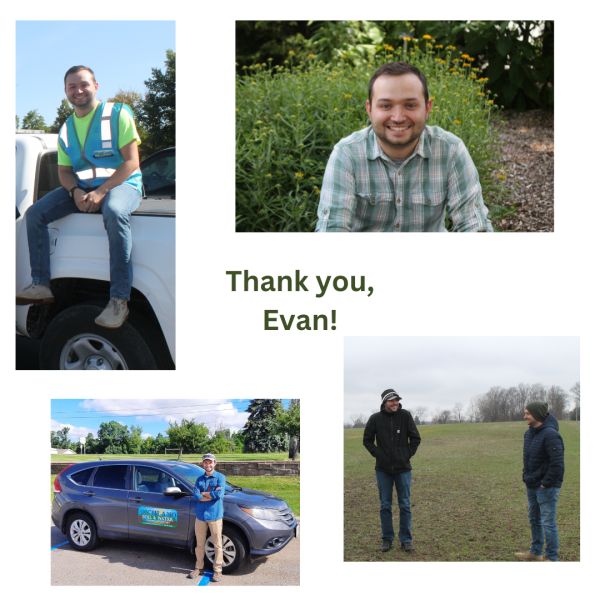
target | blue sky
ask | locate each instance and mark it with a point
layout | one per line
(117, 51)
(85, 416)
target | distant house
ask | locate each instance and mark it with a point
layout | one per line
(61, 451)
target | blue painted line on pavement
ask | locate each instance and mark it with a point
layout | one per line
(59, 545)
(205, 578)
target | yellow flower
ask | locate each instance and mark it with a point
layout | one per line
(312, 56)
(407, 39)
(426, 37)
(502, 176)
(268, 174)
(347, 95)
(258, 122)
(318, 191)
(299, 175)
(335, 109)
(292, 52)
(299, 104)
(277, 115)
(490, 102)
(457, 122)
(237, 110)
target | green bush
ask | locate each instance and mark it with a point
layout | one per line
(288, 118)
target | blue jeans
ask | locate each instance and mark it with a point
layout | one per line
(542, 516)
(116, 208)
(385, 483)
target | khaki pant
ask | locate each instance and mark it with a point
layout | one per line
(216, 527)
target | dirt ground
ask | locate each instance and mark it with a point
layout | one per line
(527, 160)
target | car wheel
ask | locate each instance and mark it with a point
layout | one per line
(234, 550)
(73, 341)
(81, 532)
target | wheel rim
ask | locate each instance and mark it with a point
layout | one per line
(80, 532)
(229, 552)
(87, 352)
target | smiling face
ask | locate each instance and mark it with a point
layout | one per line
(398, 113)
(392, 405)
(209, 465)
(81, 92)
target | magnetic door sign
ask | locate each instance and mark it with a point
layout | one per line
(163, 517)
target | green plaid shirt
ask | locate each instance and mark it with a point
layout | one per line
(363, 190)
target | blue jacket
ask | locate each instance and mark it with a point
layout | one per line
(543, 455)
(100, 156)
(213, 510)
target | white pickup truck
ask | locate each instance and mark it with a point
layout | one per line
(79, 264)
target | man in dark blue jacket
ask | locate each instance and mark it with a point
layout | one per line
(543, 471)
(393, 427)
(208, 491)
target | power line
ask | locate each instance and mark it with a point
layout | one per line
(100, 415)
(68, 412)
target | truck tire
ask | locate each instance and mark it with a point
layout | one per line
(73, 341)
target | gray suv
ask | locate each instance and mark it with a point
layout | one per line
(153, 501)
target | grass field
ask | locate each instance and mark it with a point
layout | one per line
(468, 502)
(287, 488)
(185, 457)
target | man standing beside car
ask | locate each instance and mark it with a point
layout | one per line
(98, 168)
(543, 472)
(392, 427)
(209, 490)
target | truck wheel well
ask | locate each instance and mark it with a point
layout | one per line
(73, 511)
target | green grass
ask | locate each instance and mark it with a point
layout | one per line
(73, 458)
(467, 499)
(287, 488)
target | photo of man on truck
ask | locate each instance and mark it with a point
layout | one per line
(98, 168)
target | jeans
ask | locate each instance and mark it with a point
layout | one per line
(385, 483)
(116, 208)
(542, 516)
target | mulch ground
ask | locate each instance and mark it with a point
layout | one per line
(527, 147)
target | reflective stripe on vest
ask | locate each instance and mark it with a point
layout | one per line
(105, 125)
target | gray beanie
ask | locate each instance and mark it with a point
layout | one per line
(538, 410)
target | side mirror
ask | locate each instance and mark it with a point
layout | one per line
(172, 491)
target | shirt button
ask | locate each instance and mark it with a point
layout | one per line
(476, 204)
(397, 225)
(398, 201)
(324, 212)
(428, 201)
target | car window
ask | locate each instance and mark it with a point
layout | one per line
(158, 174)
(48, 174)
(113, 477)
(148, 479)
(81, 477)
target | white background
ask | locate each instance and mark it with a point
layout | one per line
(511, 284)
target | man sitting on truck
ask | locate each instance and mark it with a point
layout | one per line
(98, 168)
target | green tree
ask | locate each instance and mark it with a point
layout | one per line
(17, 118)
(90, 444)
(63, 112)
(112, 438)
(259, 431)
(191, 436)
(159, 444)
(157, 113)
(54, 440)
(33, 120)
(134, 439)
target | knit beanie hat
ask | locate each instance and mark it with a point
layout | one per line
(388, 395)
(538, 410)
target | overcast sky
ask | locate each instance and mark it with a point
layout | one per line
(438, 372)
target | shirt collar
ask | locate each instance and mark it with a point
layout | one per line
(374, 149)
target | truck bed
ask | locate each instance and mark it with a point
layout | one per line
(156, 207)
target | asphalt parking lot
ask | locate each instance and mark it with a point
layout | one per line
(128, 563)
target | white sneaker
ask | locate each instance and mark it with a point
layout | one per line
(35, 294)
(114, 315)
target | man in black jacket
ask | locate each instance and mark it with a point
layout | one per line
(543, 471)
(392, 427)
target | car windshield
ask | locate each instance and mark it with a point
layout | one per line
(188, 472)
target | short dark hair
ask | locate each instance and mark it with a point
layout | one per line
(76, 70)
(398, 68)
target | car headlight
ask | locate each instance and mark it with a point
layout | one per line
(265, 514)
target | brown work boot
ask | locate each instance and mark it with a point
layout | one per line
(114, 315)
(528, 556)
(546, 559)
(35, 294)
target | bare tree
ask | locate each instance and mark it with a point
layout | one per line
(457, 411)
(419, 412)
(473, 412)
(557, 400)
(444, 416)
(358, 420)
(575, 396)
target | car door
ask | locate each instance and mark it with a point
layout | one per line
(153, 516)
(107, 497)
